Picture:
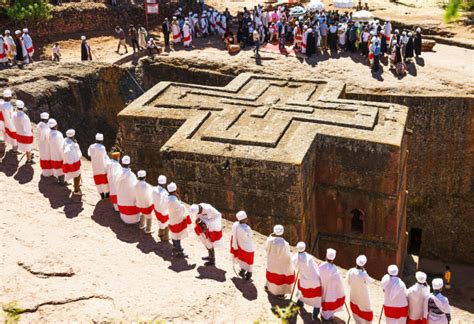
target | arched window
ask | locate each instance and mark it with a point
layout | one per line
(357, 222)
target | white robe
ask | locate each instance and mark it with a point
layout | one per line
(55, 141)
(187, 37)
(443, 304)
(126, 199)
(179, 220)
(7, 127)
(160, 203)
(309, 283)
(418, 301)
(24, 133)
(210, 216)
(114, 169)
(11, 51)
(359, 282)
(242, 247)
(395, 300)
(204, 26)
(3, 51)
(42, 135)
(28, 44)
(304, 43)
(176, 33)
(99, 160)
(71, 159)
(144, 198)
(280, 270)
(333, 296)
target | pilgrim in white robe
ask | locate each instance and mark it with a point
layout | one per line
(417, 303)
(309, 283)
(126, 199)
(179, 220)
(242, 247)
(439, 310)
(204, 27)
(30, 49)
(143, 194)
(160, 203)
(3, 50)
(280, 270)
(114, 170)
(42, 134)
(333, 296)
(71, 159)
(99, 160)
(176, 32)
(11, 47)
(395, 303)
(304, 42)
(212, 218)
(56, 141)
(24, 133)
(187, 37)
(360, 305)
(7, 127)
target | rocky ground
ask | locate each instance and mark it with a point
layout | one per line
(71, 259)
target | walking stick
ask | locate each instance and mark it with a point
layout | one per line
(294, 285)
(381, 312)
(348, 313)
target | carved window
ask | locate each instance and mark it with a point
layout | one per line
(357, 222)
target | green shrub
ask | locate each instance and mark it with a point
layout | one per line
(29, 11)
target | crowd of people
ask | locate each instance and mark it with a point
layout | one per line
(17, 49)
(319, 284)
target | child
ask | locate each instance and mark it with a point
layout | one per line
(56, 52)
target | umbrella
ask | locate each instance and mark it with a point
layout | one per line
(347, 4)
(315, 5)
(297, 11)
(362, 15)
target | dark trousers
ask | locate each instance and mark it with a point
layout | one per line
(135, 45)
(376, 63)
(177, 245)
(257, 47)
(363, 48)
(167, 39)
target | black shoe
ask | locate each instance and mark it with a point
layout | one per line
(207, 258)
(300, 304)
(102, 196)
(30, 162)
(248, 276)
(181, 255)
(242, 273)
(210, 263)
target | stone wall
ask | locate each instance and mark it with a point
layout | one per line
(440, 173)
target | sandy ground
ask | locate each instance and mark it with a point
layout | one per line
(66, 259)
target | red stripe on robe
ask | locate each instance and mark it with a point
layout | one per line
(100, 179)
(395, 312)
(1, 116)
(161, 218)
(113, 199)
(418, 321)
(178, 228)
(185, 39)
(10, 133)
(56, 164)
(366, 315)
(45, 164)
(70, 168)
(213, 236)
(241, 254)
(309, 292)
(147, 210)
(329, 306)
(128, 210)
(279, 279)
(24, 139)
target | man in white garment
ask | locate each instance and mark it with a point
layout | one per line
(280, 272)
(176, 31)
(99, 160)
(160, 203)
(72, 161)
(30, 49)
(143, 194)
(241, 245)
(42, 134)
(438, 309)
(7, 127)
(55, 141)
(179, 220)
(333, 296)
(208, 228)
(24, 131)
(3, 51)
(11, 51)
(187, 34)
(126, 199)
(309, 283)
(418, 299)
(359, 282)
(114, 169)
(395, 302)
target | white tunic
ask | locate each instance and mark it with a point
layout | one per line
(176, 33)
(114, 169)
(333, 296)
(144, 198)
(24, 133)
(71, 159)
(11, 51)
(55, 141)
(187, 37)
(359, 282)
(304, 43)
(395, 300)
(126, 199)
(418, 301)
(42, 135)
(3, 51)
(443, 305)
(7, 127)
(210, 216)
(242, 247)
(204, 26)
(160, 203)
(309, 283)
(280, 270)
(179, 219)
(99, 160)
(28, 44)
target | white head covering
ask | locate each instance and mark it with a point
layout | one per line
(278, 230)
(172, 187)
(44, 115)
(52, 123)
(7, 31)
(25, 30)
(392, 270)
(420, 277)
(17, 32)
(99, 137)
(410, 34)
(437, 283)
(404, 33)
(418, 30)
(126, 160)
(330, 254)
(141, 174)
(70, 133)
(301, 246)
(7, 93)
(20, 104)
(83, 37)
(162, 180)
(361, 260)
(241, 215)
(194, 209)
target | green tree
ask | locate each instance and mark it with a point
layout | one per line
(29, 11)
